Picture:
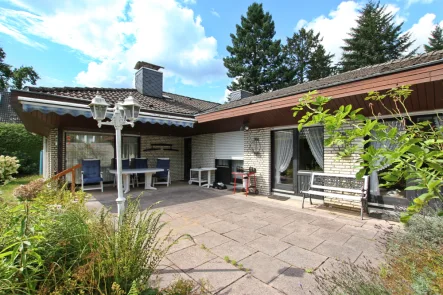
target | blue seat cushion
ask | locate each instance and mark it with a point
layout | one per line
(91, 168)
(96, 179)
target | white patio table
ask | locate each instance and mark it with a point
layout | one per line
(128, 172)
(199, 179)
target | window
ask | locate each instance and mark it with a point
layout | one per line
(311, 148)
(90, 146)
(130, 147)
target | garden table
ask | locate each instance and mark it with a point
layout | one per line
(126, 173)
(199, 179)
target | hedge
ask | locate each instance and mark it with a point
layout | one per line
(16, 141)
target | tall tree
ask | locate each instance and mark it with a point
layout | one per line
(306, 58)
(376, 39)
(435, 41)
(256, 60)
(321, 64)
(15, 77)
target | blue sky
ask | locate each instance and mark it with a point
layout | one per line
(96, 43)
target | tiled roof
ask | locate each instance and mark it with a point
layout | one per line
(7, 113)
(170, 103)
(347, 77)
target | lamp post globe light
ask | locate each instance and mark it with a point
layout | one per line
(125, 113)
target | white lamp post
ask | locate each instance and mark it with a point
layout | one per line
(123, 114)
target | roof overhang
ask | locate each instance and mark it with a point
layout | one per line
(45, 106)
(345, 93)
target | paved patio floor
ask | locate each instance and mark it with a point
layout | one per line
(281, 245)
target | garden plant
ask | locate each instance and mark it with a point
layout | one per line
(50, 243)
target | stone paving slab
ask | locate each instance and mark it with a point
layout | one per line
(333, 236)
(252, 223)
(296, 281)
(190, 257)
(341, 252)
(305, 242)
(206, 219)
(275, 231)
(222, 227)
(300, 228)
(268, 245)
(281, 221)
(217, 273)
(232, 217)
(243, 235)
(181, 244)
(304, 217)
(211, 239)
(248, 285)
(302, 258)
(328, 224)
(192, 229)
(233, 250)
(264, 267)
(360, 232)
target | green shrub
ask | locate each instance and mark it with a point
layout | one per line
(8, 167)
(16, 141)
(67, 249)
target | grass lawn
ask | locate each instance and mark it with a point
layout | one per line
(6, 190)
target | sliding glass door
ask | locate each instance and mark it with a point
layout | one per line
(294, 156)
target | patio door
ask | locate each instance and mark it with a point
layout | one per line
(295, 155)
(283, 160)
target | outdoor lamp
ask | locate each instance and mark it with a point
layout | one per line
(131, 108)
(98, 106)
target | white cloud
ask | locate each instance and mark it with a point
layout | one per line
(334, 27)
(410, 2)
(225, 96)
(215, 13)
(421, 30)
(116, 34)
(190, 1)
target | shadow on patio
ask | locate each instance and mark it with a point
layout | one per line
(177, 193)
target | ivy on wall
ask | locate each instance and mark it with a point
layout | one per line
(16, 141)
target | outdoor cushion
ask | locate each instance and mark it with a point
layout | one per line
(91, 168)
(163, 163)
(125, 163)
(88, 180)
(139, 163)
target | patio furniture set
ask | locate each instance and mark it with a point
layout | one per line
(131, 170)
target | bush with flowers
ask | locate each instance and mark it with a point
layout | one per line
(8, 167)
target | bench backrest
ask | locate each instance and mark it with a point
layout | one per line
(339, 182)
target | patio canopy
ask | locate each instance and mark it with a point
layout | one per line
(76, 109)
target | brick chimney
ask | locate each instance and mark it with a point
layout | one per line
(149, 79)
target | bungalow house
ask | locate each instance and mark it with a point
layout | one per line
(251, 131)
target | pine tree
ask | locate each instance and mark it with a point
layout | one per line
(376, 39)
(306, 58)
(255, 60)
(435, 41)
(321, 64)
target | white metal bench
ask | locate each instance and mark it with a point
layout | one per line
(338, 186)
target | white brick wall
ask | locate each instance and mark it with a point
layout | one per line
(346, 165)
(176, 157)
(262, 160)
(203, 152)
(52, 152)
